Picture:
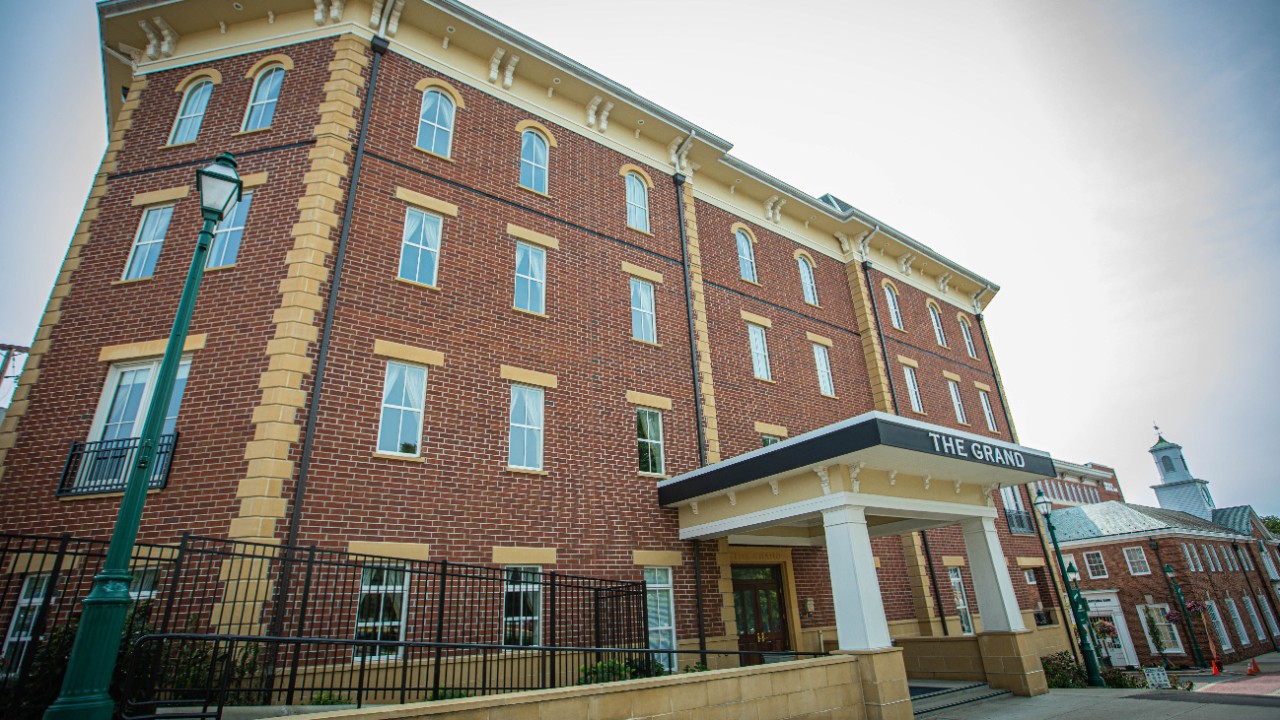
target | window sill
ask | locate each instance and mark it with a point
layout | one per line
(650, 343)
(100, 496)
(526, 471)
(642, 232)
(535, 192)
(435, 155)
(402, 458)
(895, 327)
(750, 282)
(765, 380)
(415, 283)
(219, 268)
(255, 131)
(131, 281)
(919, 412)
(522, 311)
(961, 422)
(178, 145)
(656, 476)
(816, 305)
(833, 397)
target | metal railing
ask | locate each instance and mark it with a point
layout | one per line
(197, 676)
(1020, 522)
(103, 466)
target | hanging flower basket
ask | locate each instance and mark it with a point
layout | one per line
(1195, 608)
(1173, 616)
(1106, 629)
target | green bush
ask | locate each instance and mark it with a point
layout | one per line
(1117, 678)
(329, 697)
(1062, 671)
(613, 671)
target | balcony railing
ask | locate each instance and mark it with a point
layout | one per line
(1020, 522)
(103, 466)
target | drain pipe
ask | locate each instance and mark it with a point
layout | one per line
(933, 580)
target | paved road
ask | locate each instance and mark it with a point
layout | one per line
(1127, 704)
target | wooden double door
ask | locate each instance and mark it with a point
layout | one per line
(759, 602)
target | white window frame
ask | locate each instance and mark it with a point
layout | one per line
(521, 585)
(961, 600)
(1268, 615)
(1246, 558)
(230, 228)
(1158, 612)
(657, 445)
(1129, 560)
(1215, 619)
(1208, 558)
(1030, 577)
(269, 103)
(984, 399)
(1069, 559)
(758, 342)
(537, 171)
(808, 282)
(427, 241)
(1091, 555)
(957, 403)
(895, 312)
(186, 113)
(1186, 553)
(644, 316)
(939, 334)
(968, 338)
(746, 256)
(659, 582)
(107, 396)
(151, 239)
(1254, 619)
(913, 388)
(537, 286)
(416, 410)
(822, 360)
(1234, 611)
(382, 589)
(637, 202)
(533, 428)
(437, 126)
(24, 608)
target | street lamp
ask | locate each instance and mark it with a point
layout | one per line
(1182, 610)
(85, 694)
(1044, 506)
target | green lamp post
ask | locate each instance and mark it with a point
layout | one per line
(1078, 604)
(1182, 610)
(85, 694)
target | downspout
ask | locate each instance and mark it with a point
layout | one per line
(991, 360)
(1050, 576)
(1258, 567)
(933, 580)
(884, 351)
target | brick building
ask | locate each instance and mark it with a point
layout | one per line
(481, 304)
(1223, 558)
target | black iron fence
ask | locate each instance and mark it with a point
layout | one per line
(1020, 522)
(103, 466)
(361, 611)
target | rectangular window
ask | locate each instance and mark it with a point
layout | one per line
(526, 427)
(649, 438)
(661, 613)
(1218, 627)
(1270, 616)
(22, 626)
(384, 593)
(143, 584)
(962, 601)
(226, 236)
(420, 247)
(913, 388)
(122, 410)
(1153, 618)
(147, 243)
(522, 615)
(985, 398)
(1256, 621)
(1068, 560)
(767, 440)
(1096, 566)
(1030, 576)
(956, 402)
(531, 278)
(1136, 557)
(759, 352)
(1236, 620)
(644, 320)
(822, 359)
(404, 393)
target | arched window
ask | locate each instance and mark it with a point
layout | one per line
(533, 161)
(936, 318)
(191, 113)
(807, 283)
(746, 256)
(968, 337)
(435, 123)
(895, 314)
(637, 202)
(262, 103)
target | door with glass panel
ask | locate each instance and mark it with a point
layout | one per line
(760, 609)
(962, 600)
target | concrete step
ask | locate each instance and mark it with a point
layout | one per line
(926, 704)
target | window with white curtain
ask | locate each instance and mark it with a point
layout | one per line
(531, 278)
(759, 352)
(895, 313)
(637, 202)
(936, 318)
(956, 402)
(262, 102)
(526, 426)
(821, 358)
(420, 247)
(644, 319)
(533, 161)
(968, 338)
(807, 282)
(435, 123)
(985, 399)
(913, 388)
(186, 126)
(661, 614)
(746, 256)
(404, 393)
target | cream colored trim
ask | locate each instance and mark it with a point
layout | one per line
(820, 339)
(657, 558)
(426, 84)
(756, 319)
(647, 400)
(765, 428)
(908, 361)
(643, 274)
(529, 377)
(982, 386)
(953, 561)
(535, 125)
(253, 180)
(886, 282)
(524, 556)
(280, 59)
(408, 353)
(801, 252)
(426, 202)
(209, 74)
(149, 348)
(528, 235)
(633, 168)
(402, 550)
(877, 561)
(156, 197)
(734, 228)
(950, 375)
(1030, 562)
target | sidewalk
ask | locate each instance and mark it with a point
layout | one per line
(1235, 678)
(1127, 704)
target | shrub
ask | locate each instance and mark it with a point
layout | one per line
(1062, 671)
(329, 697)
(1117, 678)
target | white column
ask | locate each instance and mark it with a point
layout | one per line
(996, 600)
(860, 620)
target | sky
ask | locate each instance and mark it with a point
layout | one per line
(1115, 167)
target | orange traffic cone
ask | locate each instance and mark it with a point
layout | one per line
(1253, 667)
(1215, 667)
